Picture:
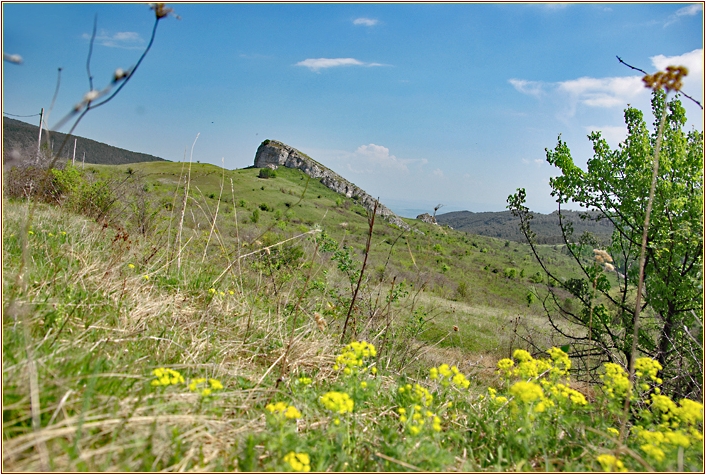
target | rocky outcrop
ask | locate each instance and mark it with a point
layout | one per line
(427, 218)
(273, 153)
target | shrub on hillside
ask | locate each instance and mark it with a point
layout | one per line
(267, 173)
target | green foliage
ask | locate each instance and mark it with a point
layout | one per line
(255, 216)
(510, 272)
(617, 183)
(267, 173)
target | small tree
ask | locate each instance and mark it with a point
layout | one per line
(617, 183)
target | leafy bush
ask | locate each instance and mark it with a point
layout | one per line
(267, 173)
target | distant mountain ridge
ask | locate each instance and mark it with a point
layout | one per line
(21, 136)
(504, 225)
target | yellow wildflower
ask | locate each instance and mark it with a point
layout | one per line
(340, 403)
(611, 464)
(300, 462)
(166, 377)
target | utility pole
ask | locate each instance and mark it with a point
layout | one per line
(39, 141)
(73, 160)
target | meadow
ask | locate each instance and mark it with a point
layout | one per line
(182, 317)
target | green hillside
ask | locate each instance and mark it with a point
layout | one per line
(165, 316)
(503, 225)
(21, 136)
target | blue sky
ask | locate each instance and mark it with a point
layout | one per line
(419, 104)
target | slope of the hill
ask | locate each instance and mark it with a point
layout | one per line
(503, 225)
(21, 136)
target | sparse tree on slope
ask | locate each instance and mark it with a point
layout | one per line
(617, 183)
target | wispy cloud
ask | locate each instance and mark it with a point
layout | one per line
(533, 88)
(323, 63)
(689, 10)
(603, 92)
(588, 91)
(365, 21)
(120, 39)
(379, 156)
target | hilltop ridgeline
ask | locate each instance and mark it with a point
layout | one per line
(272, 154)
(18, 136)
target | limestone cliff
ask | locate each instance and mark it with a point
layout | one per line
(273, 153)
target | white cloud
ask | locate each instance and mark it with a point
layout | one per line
(533, 88)
(615, 91)
(691, 10)
(603, 92)
(365, 21)
(692, 60)
(438, 173)
(693, 83)
(323, 63)
(121, 39)
(379, 156)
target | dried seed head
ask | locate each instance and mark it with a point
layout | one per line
(320, 322)
(161, 10)
(119, 74)
(670, 80)
(601, 256)
(455, 328)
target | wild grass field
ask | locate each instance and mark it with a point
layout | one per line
(194, 321)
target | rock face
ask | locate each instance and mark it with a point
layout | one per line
(427, 218)
(273, 153)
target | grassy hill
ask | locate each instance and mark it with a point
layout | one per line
(163, 316)
(21, 136)
(503, 225)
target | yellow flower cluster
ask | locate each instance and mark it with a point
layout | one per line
(648, 367)
(300, 462)
(655, 443)
(494, 397)
(529, 367)
(417, 393)
(564, 392)
(205, 387)
(446, 376)
(339, 403)
(539, 388)
(615, 381)
(166, 377)
(305, 381)
(677, 426)
(415, 424)
(530, 393)
(282, 409)
(611, 464)
(353, 356)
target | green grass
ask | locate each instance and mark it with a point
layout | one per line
(97, 308)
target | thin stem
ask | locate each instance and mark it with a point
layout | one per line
(641, 278)
(90, 53)
(371, 222)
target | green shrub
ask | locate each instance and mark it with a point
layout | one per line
(267, 173)
(255, 216)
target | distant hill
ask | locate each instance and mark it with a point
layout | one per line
(21, 136)
(504, 225)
